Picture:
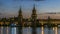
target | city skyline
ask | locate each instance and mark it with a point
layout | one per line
(10, 8)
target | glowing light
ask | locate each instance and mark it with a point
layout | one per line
(42, 30)
(53, 28)
(56, 31)
(13, 30)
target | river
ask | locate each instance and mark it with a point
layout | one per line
(28, 30)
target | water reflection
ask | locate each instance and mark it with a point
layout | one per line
(28, 30)
(13, 30)
(38, 30)
(1, 30)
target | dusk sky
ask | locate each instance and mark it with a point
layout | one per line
(10, 8)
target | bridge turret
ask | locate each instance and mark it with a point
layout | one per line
(20, 17)
(34, 16)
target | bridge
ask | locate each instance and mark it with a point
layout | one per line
(28, 22)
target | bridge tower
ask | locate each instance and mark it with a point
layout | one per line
(20, 21)
(34, 16)
(34, 19)
(20, 17)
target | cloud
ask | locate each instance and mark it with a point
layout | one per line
(0, 13)
(17, 0)
(38, 0)
(28, 0)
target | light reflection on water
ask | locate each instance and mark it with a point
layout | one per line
(13, 30)
(26, 30)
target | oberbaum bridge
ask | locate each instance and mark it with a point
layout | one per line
(31, 22)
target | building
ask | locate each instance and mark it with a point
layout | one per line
(20, 21)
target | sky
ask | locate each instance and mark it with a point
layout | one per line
(10, 8)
